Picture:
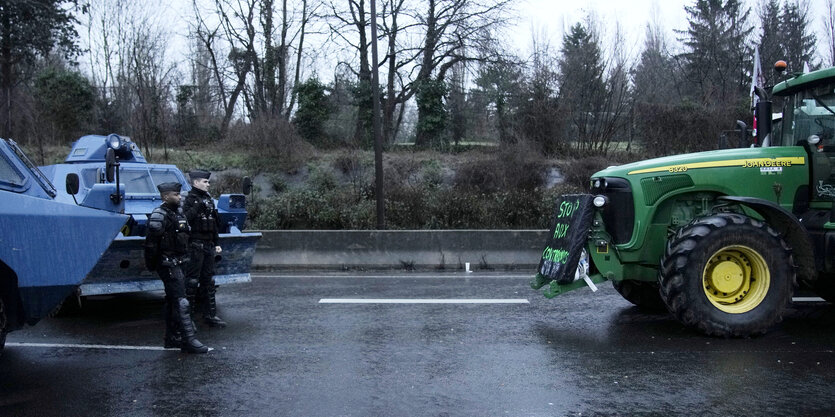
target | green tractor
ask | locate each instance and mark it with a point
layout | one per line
(723, 238)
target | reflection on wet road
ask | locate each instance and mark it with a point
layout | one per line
(286, 353)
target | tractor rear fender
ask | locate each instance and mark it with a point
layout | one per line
(790, 227)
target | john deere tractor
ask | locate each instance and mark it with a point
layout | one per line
(723, 238)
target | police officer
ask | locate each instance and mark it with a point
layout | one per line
(166, 250)
(202, 216)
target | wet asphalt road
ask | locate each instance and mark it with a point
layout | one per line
(284, 353)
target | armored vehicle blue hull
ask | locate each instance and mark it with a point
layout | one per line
(122, 268)
(47, 247)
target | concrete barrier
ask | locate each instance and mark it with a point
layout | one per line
(399, 249)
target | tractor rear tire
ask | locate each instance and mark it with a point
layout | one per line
(727, 275)
(643, 294)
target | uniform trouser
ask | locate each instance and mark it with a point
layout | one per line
(200, 284)
(175, 291)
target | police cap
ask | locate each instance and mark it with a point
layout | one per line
(169, 186)
(199, 174)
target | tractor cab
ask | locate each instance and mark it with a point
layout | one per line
(808, 114)
(809, 121)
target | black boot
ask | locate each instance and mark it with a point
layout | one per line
(173, 337)
(210, 308)
(191, 294)
(190, 343)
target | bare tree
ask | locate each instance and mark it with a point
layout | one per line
(423, 40)
(450, 28)
(128, 63)
(251, 53)
(346, 23)
(149, 78)
(594, 89)
(394, 62)
(829, 30)
(229, 71)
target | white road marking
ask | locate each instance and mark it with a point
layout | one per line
(80, 346)
(807, 299)
(423, 301)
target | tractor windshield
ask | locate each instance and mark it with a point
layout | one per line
(810, 113)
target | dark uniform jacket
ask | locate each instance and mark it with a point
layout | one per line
(201, 213)
(167, 237)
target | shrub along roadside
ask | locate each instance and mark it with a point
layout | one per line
(423, 208)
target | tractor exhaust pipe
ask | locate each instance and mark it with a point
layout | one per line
(763, 115)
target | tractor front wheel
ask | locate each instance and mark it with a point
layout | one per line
(727, 275)
(643, 294)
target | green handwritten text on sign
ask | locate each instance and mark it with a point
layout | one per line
(571, 223)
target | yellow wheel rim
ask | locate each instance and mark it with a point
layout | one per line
(736, 279)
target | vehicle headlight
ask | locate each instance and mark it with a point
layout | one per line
(114, 141)
(600, 201)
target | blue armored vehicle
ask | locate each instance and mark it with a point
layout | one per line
(122, 268)
(47, 247)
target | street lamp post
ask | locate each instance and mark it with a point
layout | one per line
(378, 140)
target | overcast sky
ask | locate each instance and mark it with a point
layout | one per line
(544, 19)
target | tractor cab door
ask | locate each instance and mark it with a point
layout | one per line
(809, 120)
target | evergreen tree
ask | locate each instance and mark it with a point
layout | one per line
(654, 76)
(65, 99)
(772, 48)
(798, 40)
(28, 29)
(429, 96)
(582, 86)
(539, 118)
(717, 57)
(581, 68)
(500, 81)
(314, 110)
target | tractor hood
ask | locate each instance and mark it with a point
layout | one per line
(753, 158)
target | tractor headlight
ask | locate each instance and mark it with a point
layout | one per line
(600, 201)
(114, 141)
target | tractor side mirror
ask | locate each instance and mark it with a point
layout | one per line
(247, 185)
(72, 183)
(110, 164)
